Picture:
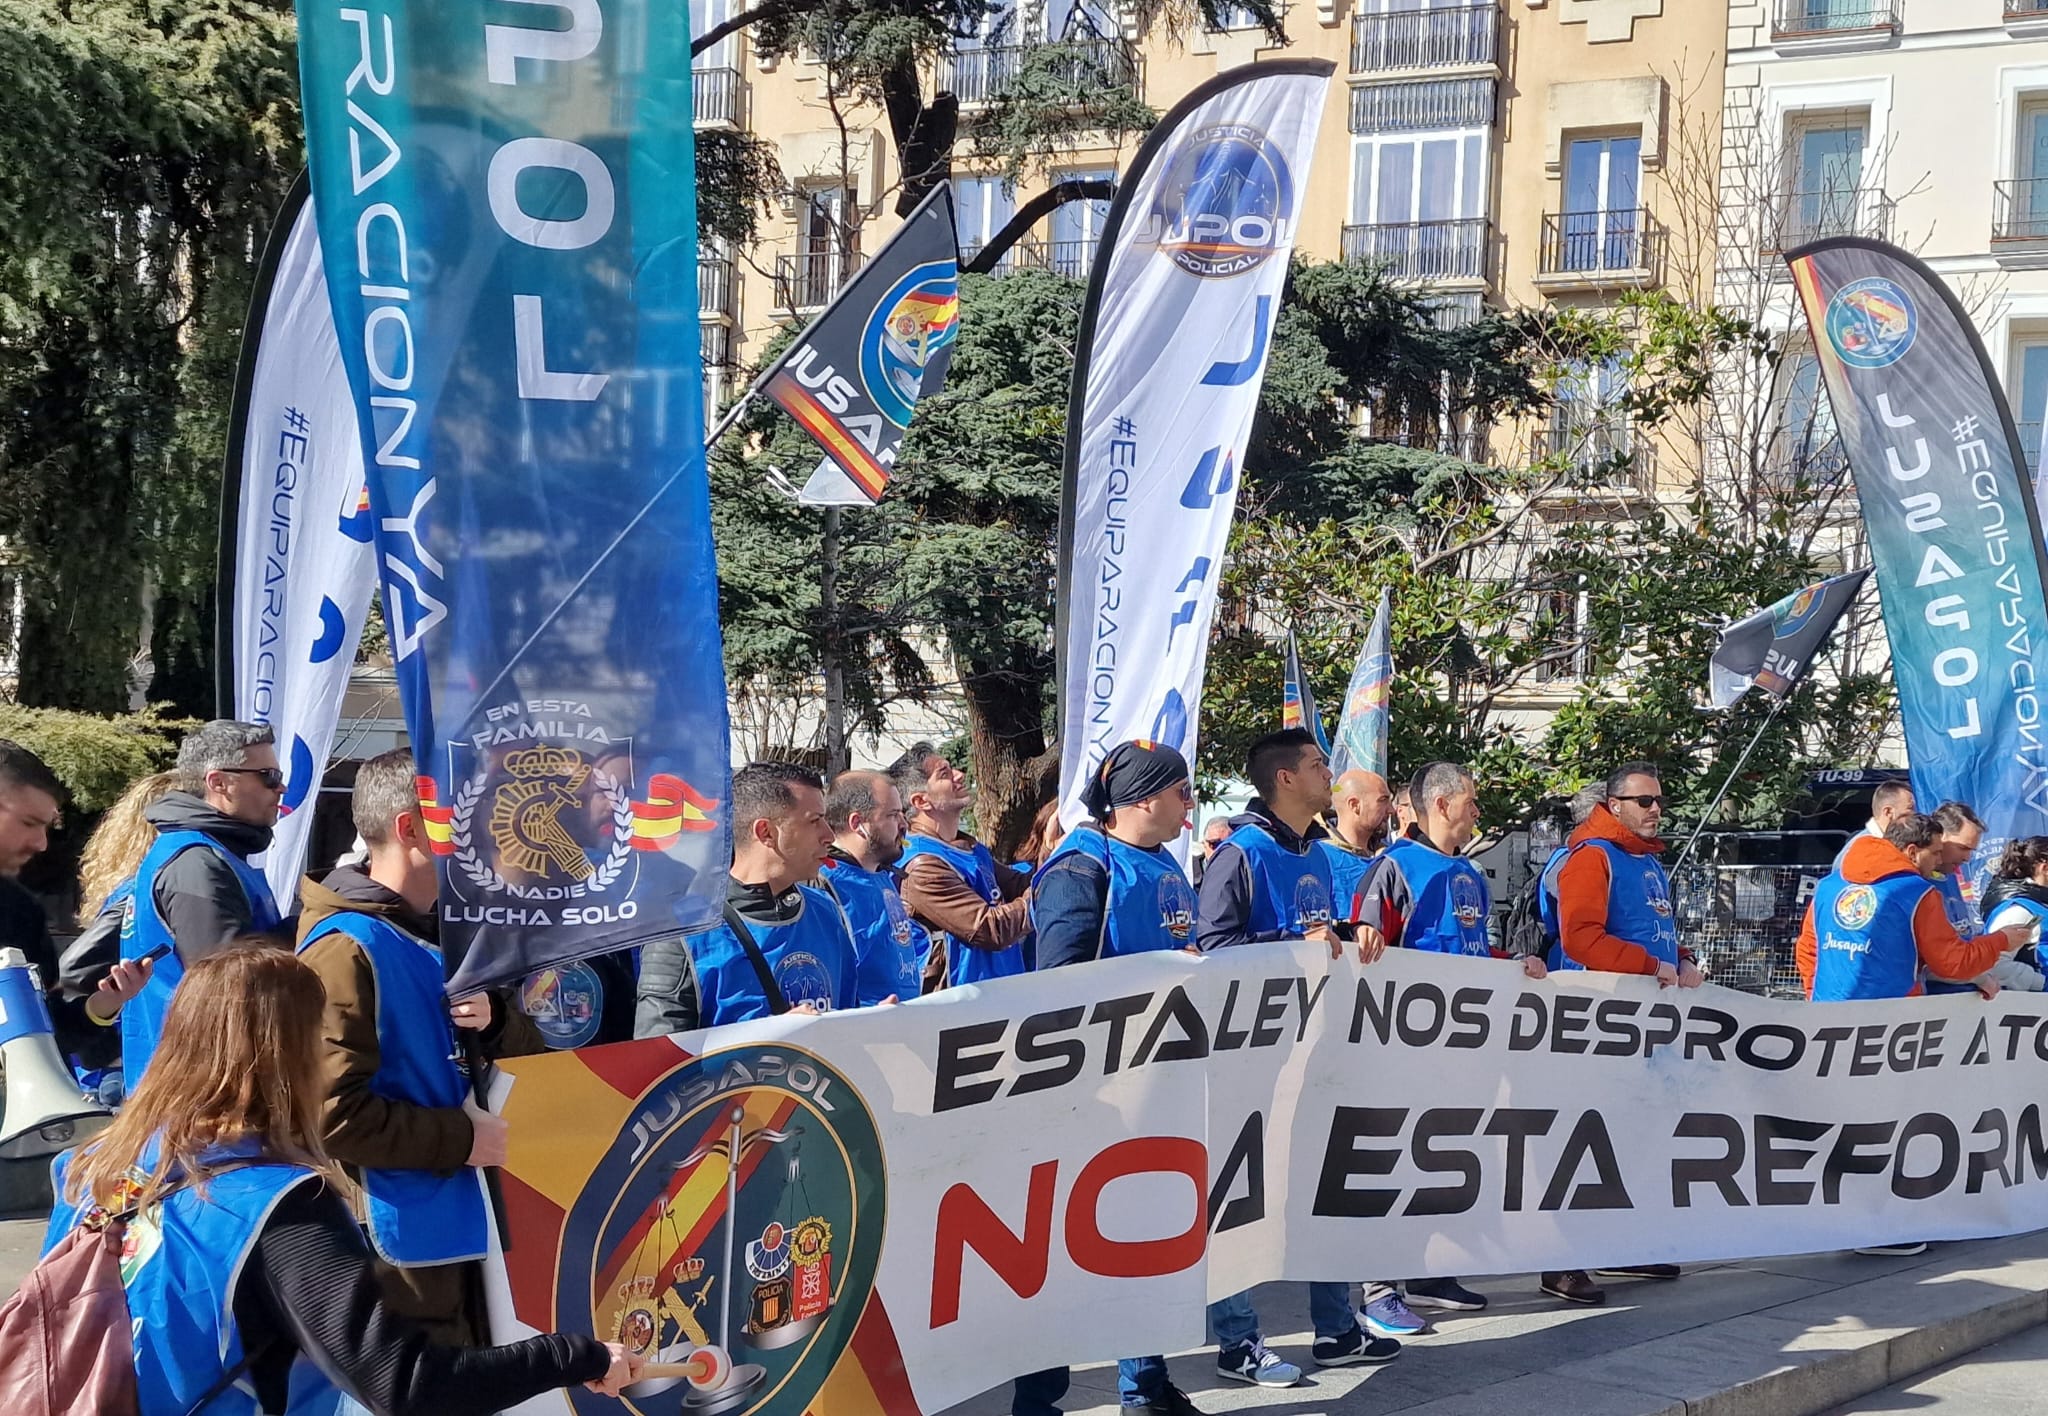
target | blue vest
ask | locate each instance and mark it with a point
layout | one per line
(1291, 890)
(1150, 907)
(1547, 906)
(1448, 900)
(188, 1256)
(415, 1217)
(965, 963)
(143, 929)
(888, 949)
(1962, 916)
(1348, 870)
(811, 959)
(1638, 905)
(1863, 937)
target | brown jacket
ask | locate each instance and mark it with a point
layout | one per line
(937, 897)
(367, 1130)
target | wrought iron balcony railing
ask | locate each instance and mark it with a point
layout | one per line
(1808, 216)
(1423, 250)
(715, 95)
(809, 279)
(1602, 456)
(2020, 207)
(1628, 242)
(1068, 258)
(1799, 18)
(716, 287)
(2026, 9)
(1437, 38)
(1089, 66)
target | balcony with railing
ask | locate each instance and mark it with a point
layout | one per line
(1829, 19)
(1068, 258)
(2026, 9)
(2030, 447)
(1603, 457)
(1442, 37)
(1808, 216)
(1087, 66)
(717, 288)
(2019, 214)
(1589, 250)
(1423, 250)
(715, 97)
(809, 279)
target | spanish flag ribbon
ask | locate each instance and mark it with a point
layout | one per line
(438, 819)
(672, 807)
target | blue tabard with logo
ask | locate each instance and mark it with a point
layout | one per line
(144, 929)
(415, 1217)
(188, 1254)
(1638, 905)
(1348, 870)
(887, 946)
(1863, 937)
(1449, 900)
(1546, 893)
(1291, 890)
(811, 959)
(1150, 907)
(964, 962)
(1962, 916)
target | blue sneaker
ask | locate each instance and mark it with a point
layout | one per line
(1253, 1362)
(1390, 1317)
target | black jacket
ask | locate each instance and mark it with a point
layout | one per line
(1223, 909)
(198, 895)
(24, 926)
(667, 998)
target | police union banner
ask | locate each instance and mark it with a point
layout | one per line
(296, 564)
(891, 1209)
(1954, 534)
(506, 197)
(1174, 334)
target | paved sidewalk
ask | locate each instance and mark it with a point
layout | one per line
(1772, 1337)
(2008, 1378)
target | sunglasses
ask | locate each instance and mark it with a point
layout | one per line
(1645, 802)
(269, 776)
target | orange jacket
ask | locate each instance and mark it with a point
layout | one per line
(1946, 953)
(1582, 888)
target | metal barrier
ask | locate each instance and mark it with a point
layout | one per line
(1741, 922)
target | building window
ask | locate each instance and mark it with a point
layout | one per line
(2023, 209)
(1825, 178)
(1560, 617)
(981, 208)
(827, 249)
(2030, 360)
(1808, 450)
(1601, 225)
(1077, 227)
(706, 15)
(1234, 17)
(1418, 204)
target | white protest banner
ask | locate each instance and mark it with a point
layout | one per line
(1065, 1167)
(297, 589)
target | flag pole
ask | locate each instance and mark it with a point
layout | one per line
(1734, 772)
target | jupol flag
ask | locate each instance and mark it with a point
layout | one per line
(1362, 731)
(1773, 648)
(854, 377)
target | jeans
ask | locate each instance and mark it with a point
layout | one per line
(1233, 1323)
(1038, 1393)
(1139, 1380)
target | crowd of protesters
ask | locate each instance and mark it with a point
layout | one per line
(297, 1111)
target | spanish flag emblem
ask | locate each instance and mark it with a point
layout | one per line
(672, 807)
(439, 819)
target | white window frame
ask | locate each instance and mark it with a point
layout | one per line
(1365, 204)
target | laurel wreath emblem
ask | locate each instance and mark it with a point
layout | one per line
(479, 871)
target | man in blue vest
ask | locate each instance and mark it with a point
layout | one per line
(1359, 806)
(1111, 889)
(1424, 894)
(1615, 916)
(977, 911)
(784, 946)
(195, 889)
(1270, 880)
(865, 812)
(397, 1108)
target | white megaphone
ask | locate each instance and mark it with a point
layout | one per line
(42, 1110)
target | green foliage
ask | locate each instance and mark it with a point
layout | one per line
(143, 148)
(96, 758)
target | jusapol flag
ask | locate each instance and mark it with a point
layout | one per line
(1773, 648)
(854, 377)
(1297, 700)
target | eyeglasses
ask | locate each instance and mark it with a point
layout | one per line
(1645, 802)
(269, 776)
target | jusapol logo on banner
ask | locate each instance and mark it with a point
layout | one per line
(1228, 203)
(1871, 323)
